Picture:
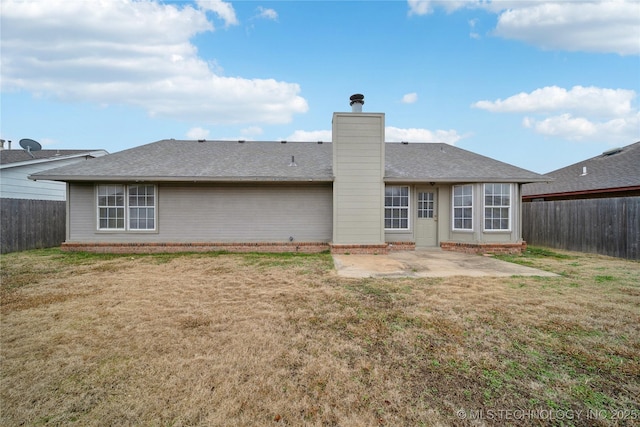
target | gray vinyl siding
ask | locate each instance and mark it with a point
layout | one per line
(221, 213)
(14, 183)
(358, 167)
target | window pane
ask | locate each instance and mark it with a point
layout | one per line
(141, 207)
(425, 205)
(396, 204)
(110, 206)
(463, 207)
(497, 206)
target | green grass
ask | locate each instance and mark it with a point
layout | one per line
(533, 253)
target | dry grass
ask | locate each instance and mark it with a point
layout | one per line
(221, 339)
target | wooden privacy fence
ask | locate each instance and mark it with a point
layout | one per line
(604, 226)
(31, 224)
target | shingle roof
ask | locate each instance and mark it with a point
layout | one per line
(175, 160)
(210, 161)
(17, 156)
(613, 169)
(446, 163)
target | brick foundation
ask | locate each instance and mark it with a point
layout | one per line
(303, 247)
(150, 248)
(402, 246)
(485, 248)
(381, 249)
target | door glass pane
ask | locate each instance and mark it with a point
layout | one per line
(425, 204)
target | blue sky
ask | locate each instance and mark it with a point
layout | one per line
(539, 84)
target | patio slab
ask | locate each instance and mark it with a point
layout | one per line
(429, 263)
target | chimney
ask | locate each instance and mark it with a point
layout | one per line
(356, 102)
(358, 170)
(1, 144)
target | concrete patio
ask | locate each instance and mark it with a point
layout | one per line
(429, 263)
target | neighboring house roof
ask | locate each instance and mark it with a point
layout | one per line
(613, 170)
(13, 158)
(214, 161)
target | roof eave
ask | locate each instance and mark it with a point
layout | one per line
(582, 192)
(476, 179)
(180, 179)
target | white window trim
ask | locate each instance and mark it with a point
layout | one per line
(98, 207)
(453, 209)
(408, 208)
(484, 206)
(127, 213)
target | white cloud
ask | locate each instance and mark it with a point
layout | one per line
(472, 24)
(605, 26)
(585, 100)
(197, 133)
(134, 53)
(223, 9)
(582, 113)
(410, 98)
(394, 134)
(425, 7)
(252, 131)
(314, 135)
(267, 13)
(601, 26)
(620, 130)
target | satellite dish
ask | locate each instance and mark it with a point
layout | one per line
(30, 145)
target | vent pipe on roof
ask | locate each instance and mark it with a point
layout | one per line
(584, 171)
(356, 101)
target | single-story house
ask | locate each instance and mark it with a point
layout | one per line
(614, 173)
(356, 194)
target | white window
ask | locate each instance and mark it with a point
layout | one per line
(396, 208)
(142, 207)
(497, 206)
(111, 207)
(126, 207)
(463, 207)
(425, 204)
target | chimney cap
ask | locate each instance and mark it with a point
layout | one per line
(358, 97)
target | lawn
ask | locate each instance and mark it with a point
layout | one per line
(265, 339)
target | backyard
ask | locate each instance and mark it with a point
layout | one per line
(279, 339)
